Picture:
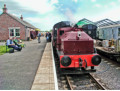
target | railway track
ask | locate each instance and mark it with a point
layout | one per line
(80, 82)
(77, 82)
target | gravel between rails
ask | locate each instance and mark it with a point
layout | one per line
(109, 74)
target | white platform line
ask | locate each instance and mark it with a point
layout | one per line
(55, 75)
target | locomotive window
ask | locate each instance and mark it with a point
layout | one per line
(55, 33)
(61, 32)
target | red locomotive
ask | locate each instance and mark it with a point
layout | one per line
(75, 49)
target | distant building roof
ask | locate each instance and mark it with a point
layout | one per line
(25, 23)
(118, 22)
(84, 21)
(105, 22)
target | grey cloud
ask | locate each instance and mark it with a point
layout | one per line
(14, 7)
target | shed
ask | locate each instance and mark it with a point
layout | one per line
(108, 29)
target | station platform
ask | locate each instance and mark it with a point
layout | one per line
(44, 79)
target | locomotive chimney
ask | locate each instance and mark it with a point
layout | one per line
(4, 9)
(21, 17)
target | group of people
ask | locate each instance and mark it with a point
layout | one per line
(47, 35)
(13, 43)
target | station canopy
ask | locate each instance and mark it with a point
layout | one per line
(105, 22)
(37, 29)
(84, 21)
(118, 22)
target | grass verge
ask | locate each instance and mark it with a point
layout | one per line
(3, 50)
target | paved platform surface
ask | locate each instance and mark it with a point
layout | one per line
(18, 70)
(44, 79)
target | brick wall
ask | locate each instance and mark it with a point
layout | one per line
(5, 23)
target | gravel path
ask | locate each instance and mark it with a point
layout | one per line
(109, 74)
(17, 70)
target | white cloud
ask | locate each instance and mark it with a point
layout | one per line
(17, 15)
(41, 6)
(105, 6)
(47, 22)
(113, 3)
(113, 14)
(75, 1)
(54, 1)
(97, 5)
(93, 0)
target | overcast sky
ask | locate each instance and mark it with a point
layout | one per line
(45, 13)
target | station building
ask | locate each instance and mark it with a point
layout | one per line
(108, 29)
(11, 26)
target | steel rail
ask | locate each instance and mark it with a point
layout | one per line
(71, 88)
(98, 83)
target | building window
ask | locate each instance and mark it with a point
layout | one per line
(14, 32)
(11, 32)
(17, 32)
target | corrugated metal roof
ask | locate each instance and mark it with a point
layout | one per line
(105, 22)
(25, 23)
(86, 20)
(118, 22)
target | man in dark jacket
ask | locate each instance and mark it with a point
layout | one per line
(49, 37)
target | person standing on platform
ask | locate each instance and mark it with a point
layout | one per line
(49, 37)
(39, 35)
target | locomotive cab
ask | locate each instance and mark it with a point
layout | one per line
(56, 28)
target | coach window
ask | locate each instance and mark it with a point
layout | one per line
(119, 32)
(14, 32)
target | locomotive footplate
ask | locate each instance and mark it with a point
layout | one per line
(75, 71)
